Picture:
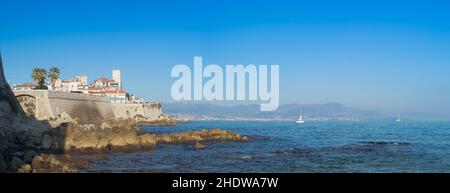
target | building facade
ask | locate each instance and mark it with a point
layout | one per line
(23, 86)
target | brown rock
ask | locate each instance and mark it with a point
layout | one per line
(118, 141)
(102, 143)
(25, 169)
(198, 145)
(52, 164)
(147, 140)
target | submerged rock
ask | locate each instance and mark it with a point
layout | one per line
(198, 145)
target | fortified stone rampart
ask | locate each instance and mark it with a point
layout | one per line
(139, 111)
(44, 104)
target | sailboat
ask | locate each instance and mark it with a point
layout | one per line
(300, 119)
(398, 119)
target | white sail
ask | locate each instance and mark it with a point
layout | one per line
(300, 120)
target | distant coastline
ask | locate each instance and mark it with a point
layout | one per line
(288, 112)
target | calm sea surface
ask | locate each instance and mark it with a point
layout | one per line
(289, 147)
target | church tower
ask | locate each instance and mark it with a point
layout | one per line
(117, 78)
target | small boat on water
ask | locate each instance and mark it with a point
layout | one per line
(300, 119)
(398, 119)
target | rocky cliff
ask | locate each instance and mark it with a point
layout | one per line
(15, 135)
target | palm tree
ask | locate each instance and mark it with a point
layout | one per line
(53, 75)
(39, 75)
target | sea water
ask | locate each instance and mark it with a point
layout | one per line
(281, 146)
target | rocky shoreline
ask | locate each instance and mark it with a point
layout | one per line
(163, 122)
(33, 147)
(29, 162)
(30, 145)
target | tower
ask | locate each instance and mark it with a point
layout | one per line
(117, 78)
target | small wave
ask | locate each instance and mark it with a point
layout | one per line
(360, 147)
(385, 143)
(246, 157)
(259, 138)
(295, 151)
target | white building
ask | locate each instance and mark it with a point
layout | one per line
(24, 86)
(76, 84)
(116, 95)
(105, 84)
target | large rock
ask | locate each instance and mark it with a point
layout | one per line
(215, 134)
(115, 134)
(51, 164)
(13, 135)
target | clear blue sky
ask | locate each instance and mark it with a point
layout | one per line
(382, 55)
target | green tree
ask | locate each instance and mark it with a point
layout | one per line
(53, 75)
(39, 75)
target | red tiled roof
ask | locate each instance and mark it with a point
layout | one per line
(103, 79)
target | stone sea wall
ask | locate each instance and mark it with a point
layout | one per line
(137, 111)
(44, 105)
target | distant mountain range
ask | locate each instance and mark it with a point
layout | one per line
(327, 111)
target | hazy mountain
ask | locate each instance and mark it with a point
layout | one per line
(327, 111)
